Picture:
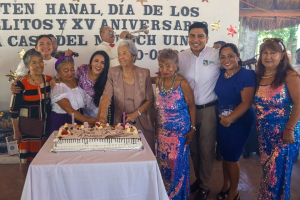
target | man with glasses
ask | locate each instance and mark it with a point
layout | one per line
(108, 38)
(200, 66)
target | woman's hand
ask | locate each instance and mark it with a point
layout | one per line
(15, 89)
(92, 120)
(189, 136)
(102, 120)
(288, 137)
(52, 83)
(130, 118)
(225, 121)
(18, 136)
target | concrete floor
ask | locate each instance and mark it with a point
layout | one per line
(12, 180)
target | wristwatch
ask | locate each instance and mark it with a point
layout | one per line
(139, 113)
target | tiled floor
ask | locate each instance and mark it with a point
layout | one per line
(12, 180)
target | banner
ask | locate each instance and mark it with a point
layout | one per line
(76, 24)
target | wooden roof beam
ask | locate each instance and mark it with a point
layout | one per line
(282, 13)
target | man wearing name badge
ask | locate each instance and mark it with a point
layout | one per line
(108, 38)
(200, 66)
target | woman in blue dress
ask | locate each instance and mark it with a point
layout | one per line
(235, 89)
(277, 102)
(176, 118)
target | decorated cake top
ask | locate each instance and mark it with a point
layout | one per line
(68, 131)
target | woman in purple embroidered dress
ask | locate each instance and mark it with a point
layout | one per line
(92, 79)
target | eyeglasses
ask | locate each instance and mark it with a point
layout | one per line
(110, 32)
(273, 39)
(279, 40)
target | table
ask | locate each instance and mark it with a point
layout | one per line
(122, 175)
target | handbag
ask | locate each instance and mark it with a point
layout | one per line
(34, 127)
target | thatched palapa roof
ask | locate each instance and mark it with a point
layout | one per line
(269, 14)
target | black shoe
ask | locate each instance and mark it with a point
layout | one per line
(219, 157)
(222, 195)
(246, 155)
(237, 197)
(194, 187)
(202, 194)
(257, 153)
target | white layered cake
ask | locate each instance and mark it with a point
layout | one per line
(99, 138)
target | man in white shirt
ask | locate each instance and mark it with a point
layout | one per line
(296, 65)
(108, 45)
(200, 66)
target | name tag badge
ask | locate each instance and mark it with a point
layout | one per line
(206, 62)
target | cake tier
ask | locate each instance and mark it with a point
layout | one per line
(96, 139)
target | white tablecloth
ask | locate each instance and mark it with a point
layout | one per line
(122, 175)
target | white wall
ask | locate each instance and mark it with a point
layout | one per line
(172, 15)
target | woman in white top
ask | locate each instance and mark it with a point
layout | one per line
(44, 46)
(67, 97)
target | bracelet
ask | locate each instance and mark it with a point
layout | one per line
(290, 130)
(193, 127)
(291, 126)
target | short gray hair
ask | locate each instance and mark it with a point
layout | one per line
(132, 48)
(66, 59)
(27, 56)
(168, 54)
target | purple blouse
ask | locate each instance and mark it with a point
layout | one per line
(83, 80)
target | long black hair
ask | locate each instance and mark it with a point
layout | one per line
(234, 49)
(101, 81)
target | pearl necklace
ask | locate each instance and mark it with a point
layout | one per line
(167, 91)
(269, 76)
(228, 76)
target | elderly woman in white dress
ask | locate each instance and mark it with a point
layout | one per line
(67, 98)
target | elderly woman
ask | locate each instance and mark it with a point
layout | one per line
(235, 89)
(30, 103)
(132, 93)
(277, 102)
(44, 45)
(92, 78)
(67, 98)
(176, 118)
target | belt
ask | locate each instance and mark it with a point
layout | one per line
(213, 103)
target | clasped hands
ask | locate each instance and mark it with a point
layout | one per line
(225, 120)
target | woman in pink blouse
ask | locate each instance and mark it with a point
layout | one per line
(131, 89)
(92, 79)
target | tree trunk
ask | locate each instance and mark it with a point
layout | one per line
(247, 41)
(292, 43)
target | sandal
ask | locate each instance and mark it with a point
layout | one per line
(222, 195)
(237, 197)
